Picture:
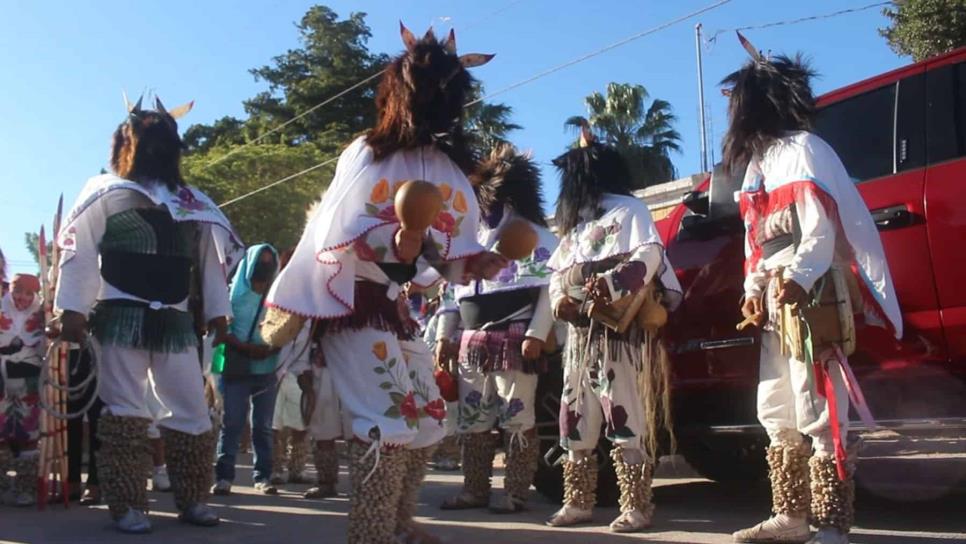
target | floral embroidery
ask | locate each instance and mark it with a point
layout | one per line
(569, 419)
(508, 274)
(601, 236)
(35, 322)
(365, 252)
(445, 223)
(616, 418)
(5, 323)
(187, 204)
(475, 408)
(436, 409)
(403, 403)
(380, 193)
(446, 191)
(459, 202)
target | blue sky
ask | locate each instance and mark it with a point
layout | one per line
(66, 62)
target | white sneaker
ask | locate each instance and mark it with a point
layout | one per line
(782, 529)
(133, 521)
(160, 480)
(570, 515)
(829, 535)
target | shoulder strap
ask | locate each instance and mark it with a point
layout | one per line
(258, 313)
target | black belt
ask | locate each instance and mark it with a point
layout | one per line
(398, 272)
(163, 278)
(479, 310)
(776, 244)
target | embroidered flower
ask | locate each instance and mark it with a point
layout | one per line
(514, 408)
(187, 201)
(473, 398)
(5, 323)
(507, 274)
(380, 193)
(629, 277)
(364, 251)
(436, 409)
(541, 254)
(380, 350)
(408, 407)
(459, 202)
(596, 234)
(444, 223)
(35, 323)
(569, 420)
(446, 191)
(387, 214)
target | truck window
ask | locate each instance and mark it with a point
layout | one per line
(860, 130)
(946, 113)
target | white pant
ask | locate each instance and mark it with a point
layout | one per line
(788, 399)
(288, 405)
(327, 419)
(386, 386)
(178, 383)
(501, 399)
(155, 408)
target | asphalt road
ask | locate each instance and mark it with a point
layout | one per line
(689, 509)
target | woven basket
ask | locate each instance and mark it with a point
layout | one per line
(279, 328)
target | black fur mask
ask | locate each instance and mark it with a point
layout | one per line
(509, 178)
(586, 173)
(769, 97)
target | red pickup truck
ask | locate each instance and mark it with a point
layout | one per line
(902, 138)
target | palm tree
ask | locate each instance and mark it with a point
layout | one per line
(645, 137)
(487, 125)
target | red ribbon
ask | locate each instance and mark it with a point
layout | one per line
(826, 388)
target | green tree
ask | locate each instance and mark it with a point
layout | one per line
(277, 215)
(332, 57)
(925, 28)
(645, 136)
(32, 241)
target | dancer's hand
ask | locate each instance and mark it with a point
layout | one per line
(598, 289)
(752, 310)
(409, 244)
(532, 348)
(73, 327)
(446, 351)
(791, 293)
(485, 265)
(568, 309)
(306, 381)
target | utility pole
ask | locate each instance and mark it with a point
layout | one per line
(704, 137)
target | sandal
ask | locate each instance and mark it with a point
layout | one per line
(464, 501)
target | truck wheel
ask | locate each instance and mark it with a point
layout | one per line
(549, 477)
(727, 460)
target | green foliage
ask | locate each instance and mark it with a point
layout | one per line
(644, 136)
(277, 215)
(332, 57)
(32, 241)
(487, 125)
(925, 28)
(227, 159)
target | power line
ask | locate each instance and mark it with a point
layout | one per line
(714, 36)
(297, 117)
(602, 50)
(521, 83)
(340, 94)
(281, 181)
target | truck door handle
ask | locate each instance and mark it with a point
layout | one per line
(893, 217)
